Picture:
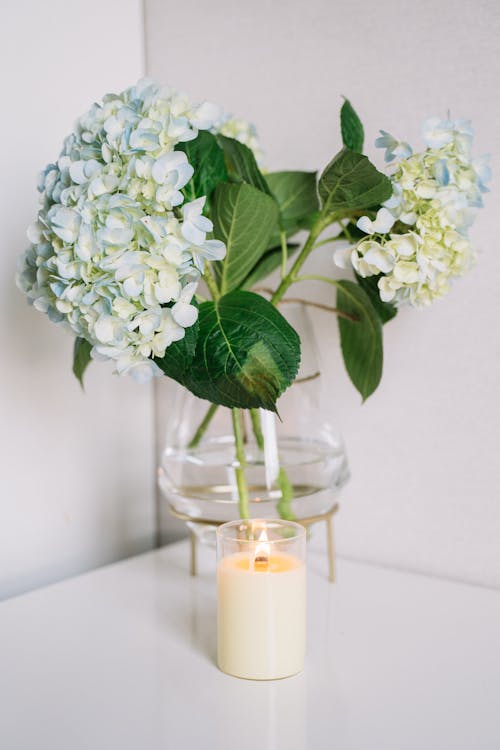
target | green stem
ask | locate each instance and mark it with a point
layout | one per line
(202, 427)
(317, 277)
(239, 470)
(257, 429)
(346, 232)
(319, 225)
(284, 254)
(337, 238)
(285, 501)
(284, 505)
(211, 283)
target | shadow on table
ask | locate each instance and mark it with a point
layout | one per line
(187, 606)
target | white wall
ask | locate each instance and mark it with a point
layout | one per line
(425, 492)
(76, 477)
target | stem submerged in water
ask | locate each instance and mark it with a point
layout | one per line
(202, 427)
(239, 469)
(257, 429)
(285, 502)
(284, 505)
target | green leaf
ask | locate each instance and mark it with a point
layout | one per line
(385, 310)
(244, 218)
(246, 355)
(351, 128)
(81, 357)
(361, 340)
(241, 164)
(207, 158)
(178, 357)
(351, 182)
(267, 264)
(295, 192)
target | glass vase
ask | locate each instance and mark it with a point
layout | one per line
(295, 463)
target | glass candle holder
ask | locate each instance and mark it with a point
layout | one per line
(261, 598)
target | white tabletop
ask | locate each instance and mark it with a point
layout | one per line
(123, 657)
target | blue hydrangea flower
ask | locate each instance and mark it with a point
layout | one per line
(394, 149)
(115, 253)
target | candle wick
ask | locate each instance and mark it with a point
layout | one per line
(261, 562)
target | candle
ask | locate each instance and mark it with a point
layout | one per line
(261, 599)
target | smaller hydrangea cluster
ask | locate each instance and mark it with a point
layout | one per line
(116, 254)
(436, 194)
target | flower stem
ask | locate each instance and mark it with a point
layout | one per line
(346, 232)
(284, 505)
(284, 254)
(285, 501)
(257, 429)
(319, 225)
(336, 238)
(319, 305)
(239, 470)
(211, 283)
(317, 277)
(202, 427)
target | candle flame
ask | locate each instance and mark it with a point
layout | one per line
(262, 552)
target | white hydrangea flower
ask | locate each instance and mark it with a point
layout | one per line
(116, 254)
(380, 225)
(436, 194)
(370, 258)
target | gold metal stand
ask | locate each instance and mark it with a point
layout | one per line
(327, 518)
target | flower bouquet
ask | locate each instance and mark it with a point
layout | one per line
(152, 194)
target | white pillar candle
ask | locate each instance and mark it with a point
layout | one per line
(261, 599)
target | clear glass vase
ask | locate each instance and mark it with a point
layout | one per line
(296, 474)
